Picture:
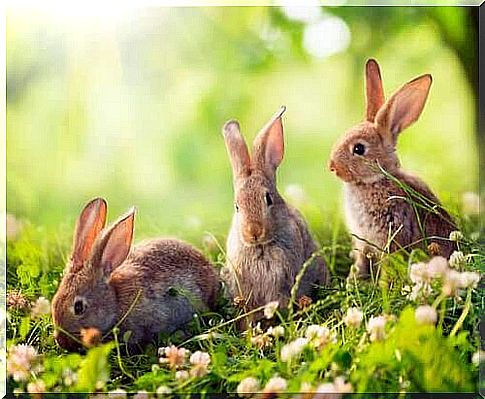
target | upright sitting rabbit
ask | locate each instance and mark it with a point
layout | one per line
(155, 287)
(377, 208)
(269, 240)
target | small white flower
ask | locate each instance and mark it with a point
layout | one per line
(182, 375)
(437, 266)
(419, 273)
(457, 260)
(318, 336)
(469, 279)
(275, 385)
(36, 386)
(163, 390)
(353, 318)
(270, 309)
(341, 386)
(456, 236)
(426, 315)
(41, 307)
(293, 349)
(200, 361)
(248, 386)
(22, 360)
(117, 394)
(278, 331)
(452, 281)
(471, 203)
(175, 357)
(376, 328)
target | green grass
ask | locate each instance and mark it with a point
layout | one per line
(411, 358)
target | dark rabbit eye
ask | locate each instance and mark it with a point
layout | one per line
(359, 149)
(79, 306)
(268, 199)
(236, 206)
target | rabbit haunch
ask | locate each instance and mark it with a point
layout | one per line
(377, 207)
(269, 241)
(155, 287)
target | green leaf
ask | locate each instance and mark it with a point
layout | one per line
(94, 370)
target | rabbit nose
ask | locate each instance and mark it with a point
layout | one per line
(253, 232)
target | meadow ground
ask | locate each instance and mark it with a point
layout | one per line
(409, 331)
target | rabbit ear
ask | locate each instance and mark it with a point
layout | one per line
(116, 243)
(236, 148)
(268, 146)
(88, 226)
(403, 108)
(373, 89)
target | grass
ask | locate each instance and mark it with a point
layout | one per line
(413, 357)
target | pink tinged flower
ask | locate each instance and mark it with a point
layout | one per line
(376, 328)
(293, 349)
(353, 318)
(248, 386)
(22, 361)
(174, 357)
(200, 362)
(419, 273)
(469, 279)
(182, 375)
(275, 385)
(36, 386)
(452, 282)
(41, 307)
(437, 266)
(426, 315)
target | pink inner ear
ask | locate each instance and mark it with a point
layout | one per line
(275, 143)
(118, 244)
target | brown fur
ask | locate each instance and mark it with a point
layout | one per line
(372, 210)
(267, 244)
(157, 286)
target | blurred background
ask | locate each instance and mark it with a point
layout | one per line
(129, 104)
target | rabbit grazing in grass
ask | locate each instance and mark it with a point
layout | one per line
(156, 286)
(391, 209)
(269, 240)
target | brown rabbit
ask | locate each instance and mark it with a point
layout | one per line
(269, 240)
(376, 207)
(155, 287)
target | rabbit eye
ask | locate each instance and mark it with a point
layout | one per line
(79, 306)
(236, 206)
(359, 149)
(268, 199)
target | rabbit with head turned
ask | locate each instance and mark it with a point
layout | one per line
(376, 207)
(154, 287)
(269, 240)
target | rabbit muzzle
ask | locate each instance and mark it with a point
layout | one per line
(254, 233)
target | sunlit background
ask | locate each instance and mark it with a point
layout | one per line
(129, 104)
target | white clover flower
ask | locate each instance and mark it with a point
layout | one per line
(471, 203)
(456, 236)
(200, 361)
(175, 357)
(353, 318)
(275, 385)
(376, 328)
(163, 390)
(36, 386)
(248, 386)
(181, 375)
(270, 309)
(452, 281)
(318, 336)
(426, 315)
(419, 273)
(41, 307)
(22, 360)
(278, 331)
(469, 279)
(117, 394)
(457, 260)
(329, 388)
(437, 266)
(293, 349)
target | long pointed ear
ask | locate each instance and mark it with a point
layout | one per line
(88, 226)
(268, 146)
(115, 244)
(374, 90)
(237, 149)
(403, 108)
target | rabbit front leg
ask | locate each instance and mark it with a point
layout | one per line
(360, 253)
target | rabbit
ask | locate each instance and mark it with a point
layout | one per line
(376, 207)
(156, 286)
(269, 240)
